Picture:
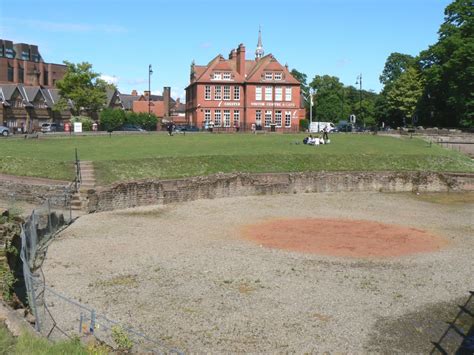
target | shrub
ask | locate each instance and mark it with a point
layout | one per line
(304, 124)
(142, 119)
(112, 119)
(86, 122)
(121, 338)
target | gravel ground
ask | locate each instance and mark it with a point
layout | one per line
(182, 274)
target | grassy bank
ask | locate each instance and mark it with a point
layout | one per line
(128, 157)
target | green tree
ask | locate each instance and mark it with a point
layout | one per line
(112, 119)
(302, 78)
(448, 69)
(405, 93)
(395, 65)
(328, 98)
(81, 89)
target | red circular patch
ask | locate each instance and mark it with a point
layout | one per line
(353, 238)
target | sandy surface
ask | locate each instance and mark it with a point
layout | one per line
(184, 275)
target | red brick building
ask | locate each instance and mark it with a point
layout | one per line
(235, 92)
(21, 63)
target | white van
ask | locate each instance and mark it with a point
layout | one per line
(316, 127)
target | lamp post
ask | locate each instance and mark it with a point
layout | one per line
(150, 71)
(310, 108)
(359, 81)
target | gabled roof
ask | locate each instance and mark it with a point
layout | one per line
(127, 100)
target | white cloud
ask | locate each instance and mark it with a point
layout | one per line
(110, 79)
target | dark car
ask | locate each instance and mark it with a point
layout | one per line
(132, 128)
(186, 128)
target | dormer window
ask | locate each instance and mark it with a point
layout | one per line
(278, 76)
(268, 75)
(217, 76)
(226, 76)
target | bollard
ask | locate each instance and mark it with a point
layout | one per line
(92, 326)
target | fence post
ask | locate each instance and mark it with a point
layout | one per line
(81, 319)
(92, 326)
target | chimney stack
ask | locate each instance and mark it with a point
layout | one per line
(166, 100)
(134, 92)
(241, 59)
(232, 54)
(146, 93)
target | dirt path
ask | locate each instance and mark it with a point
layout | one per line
(185, 275)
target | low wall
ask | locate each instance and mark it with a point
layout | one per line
(160, 192)
(33, 190)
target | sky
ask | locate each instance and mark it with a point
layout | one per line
(342, 38)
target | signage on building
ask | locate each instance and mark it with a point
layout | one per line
(77, 127)
(273, 104)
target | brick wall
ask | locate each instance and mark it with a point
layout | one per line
(156, 192)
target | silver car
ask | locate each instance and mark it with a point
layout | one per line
(4, 131)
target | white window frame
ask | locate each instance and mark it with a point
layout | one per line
(268, 75)
(288, 94)
(288, 119)
(236, 93)
(278, 76)
(207, 116)
(207, 92)
(217, 118)
(217, 76)
(268, 93)
(226, 76)
(278, 93)
(226, 95)
(236, 118)
(278, 116)
(218, 92)
(258, 117)
(258, 93)
(268, 118)
(226, 118)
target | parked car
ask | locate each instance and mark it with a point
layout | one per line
(4, 131)
(51, 127)
(132, 128)
(186, 128)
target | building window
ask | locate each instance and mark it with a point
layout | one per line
(217, 76)
(218, 93)
(278, 93)
(258, 117)
(278, 76)
(278, 118)
(25, 55)
(288, 119)
(268, 93)
(226, 92)
(226, 76)
(9, 53)
(10, 73)
(288, 93)
(2, 52)
(236, 118)
(21, 74)
(45, 78)
(258, 93)
(217, 118)
(207, 92)
(236, 93)
(207, 117)
(226, 118)
(268, 75)
(18, 103)
(36, 58)
(268, 118)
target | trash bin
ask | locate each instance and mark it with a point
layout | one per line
(273, 127)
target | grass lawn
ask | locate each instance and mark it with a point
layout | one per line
(126, 157)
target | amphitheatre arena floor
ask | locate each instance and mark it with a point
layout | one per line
(190, 276)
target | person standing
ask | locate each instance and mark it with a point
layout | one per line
(325, 134)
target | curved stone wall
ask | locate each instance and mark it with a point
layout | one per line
(160, 192)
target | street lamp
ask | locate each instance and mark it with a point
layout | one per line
(149, 89)
(310, 108)
(359, 81)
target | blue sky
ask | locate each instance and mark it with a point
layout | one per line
(121, 38)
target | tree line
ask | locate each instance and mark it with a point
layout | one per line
(434, 88)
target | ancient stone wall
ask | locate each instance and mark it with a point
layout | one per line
(33, 190)
(160, 192)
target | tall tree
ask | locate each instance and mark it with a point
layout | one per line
(328, 98)
(302, 78)
(448, 68)
(405, 93)
(83, 87)
(395, 65)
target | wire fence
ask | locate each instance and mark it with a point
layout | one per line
(58, 316)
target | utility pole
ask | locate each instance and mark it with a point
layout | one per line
(310, 108)
(359, 81)
(149, 89)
